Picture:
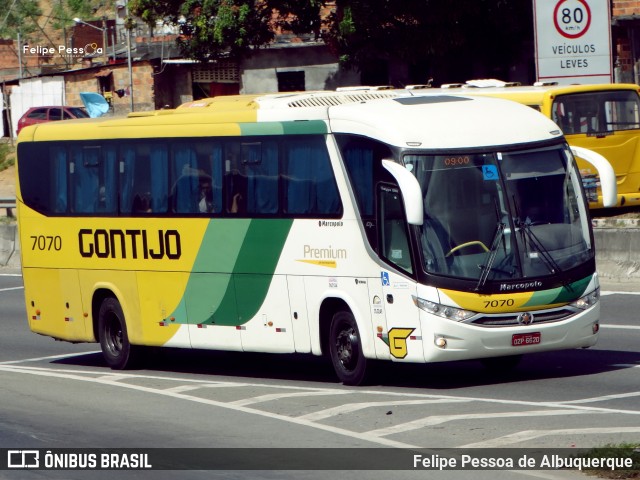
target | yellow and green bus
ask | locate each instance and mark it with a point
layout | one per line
(358, 225)
(604, 118)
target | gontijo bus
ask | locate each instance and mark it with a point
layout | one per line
(411, 229)
(604, 118)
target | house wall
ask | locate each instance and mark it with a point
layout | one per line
(35, 92)
(87, 81)
(627, 63)
(173, 85)
(322, 72)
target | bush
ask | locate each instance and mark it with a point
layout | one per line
(7, 156)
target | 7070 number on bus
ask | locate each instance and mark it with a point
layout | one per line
(46, 242)
(507, 302)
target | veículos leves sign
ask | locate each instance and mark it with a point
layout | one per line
(573, 41)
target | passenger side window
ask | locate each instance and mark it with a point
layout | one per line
(144, 182)
(310, 186)
(196, 178)
(38, 114)
(92, 181)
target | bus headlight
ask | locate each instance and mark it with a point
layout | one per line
(444, 311)
(587, 301)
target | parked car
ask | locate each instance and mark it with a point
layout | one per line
(49, 114)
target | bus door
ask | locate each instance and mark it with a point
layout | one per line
(403, 334)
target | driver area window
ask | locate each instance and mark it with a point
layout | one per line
(393, 232)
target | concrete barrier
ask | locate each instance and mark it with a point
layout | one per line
(9, 246)
(617, 252)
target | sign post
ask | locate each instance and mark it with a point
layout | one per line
(573, 41)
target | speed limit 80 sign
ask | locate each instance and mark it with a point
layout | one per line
(572, 18)
(573, 41)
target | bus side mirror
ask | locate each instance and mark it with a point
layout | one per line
(410, 189)
(607, 176)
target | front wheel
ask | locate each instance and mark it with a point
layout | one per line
(345, 349)
(112, 332)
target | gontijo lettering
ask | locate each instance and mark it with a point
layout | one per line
(104, 243)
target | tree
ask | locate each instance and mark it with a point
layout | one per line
(212, 29)
(18, 18)
(366, 33)
(450, 38)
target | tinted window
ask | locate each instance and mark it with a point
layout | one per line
(597, 112)
(266, 176)
(55, 114)
(38, 114)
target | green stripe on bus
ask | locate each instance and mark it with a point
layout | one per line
(303, 127)
(565, 294)
(233, 270)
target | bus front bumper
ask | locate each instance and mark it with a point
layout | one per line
(446, 340)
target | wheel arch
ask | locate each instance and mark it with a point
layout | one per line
(99, 295)
(328, 308)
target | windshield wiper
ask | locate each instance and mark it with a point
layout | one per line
(547, 259)
(492, 254)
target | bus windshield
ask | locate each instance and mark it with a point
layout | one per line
(597, 112)
(491, 216)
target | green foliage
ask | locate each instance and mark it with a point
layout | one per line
(7, 156)
(63, 12)
(482, 31)
(624, 450)
(19, 17)
(362, 33)
(218, 28)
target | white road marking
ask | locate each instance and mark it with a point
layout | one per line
(604, 398)
(10, 274)
(439, 419)
(621, 327)
(376, 436)
(278, 396)
(533, 434)
(353, 407)
(50, 357)
(189, 388)
(617, 292)
(10, 289)
(561, 404)
(214, 403)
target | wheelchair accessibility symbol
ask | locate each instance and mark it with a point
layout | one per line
(490, 172)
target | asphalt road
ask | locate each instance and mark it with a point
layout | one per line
(58, 395)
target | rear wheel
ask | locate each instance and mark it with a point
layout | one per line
(112, 332)
(345, 349)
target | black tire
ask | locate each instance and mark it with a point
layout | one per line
(112, 332)
(345, 349)
(501, 364)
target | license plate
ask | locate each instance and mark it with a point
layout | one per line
(523, 339)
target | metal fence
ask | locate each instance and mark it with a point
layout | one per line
(8, 204)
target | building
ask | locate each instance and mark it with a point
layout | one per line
(625, 30)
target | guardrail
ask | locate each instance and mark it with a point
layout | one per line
(8, 204)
